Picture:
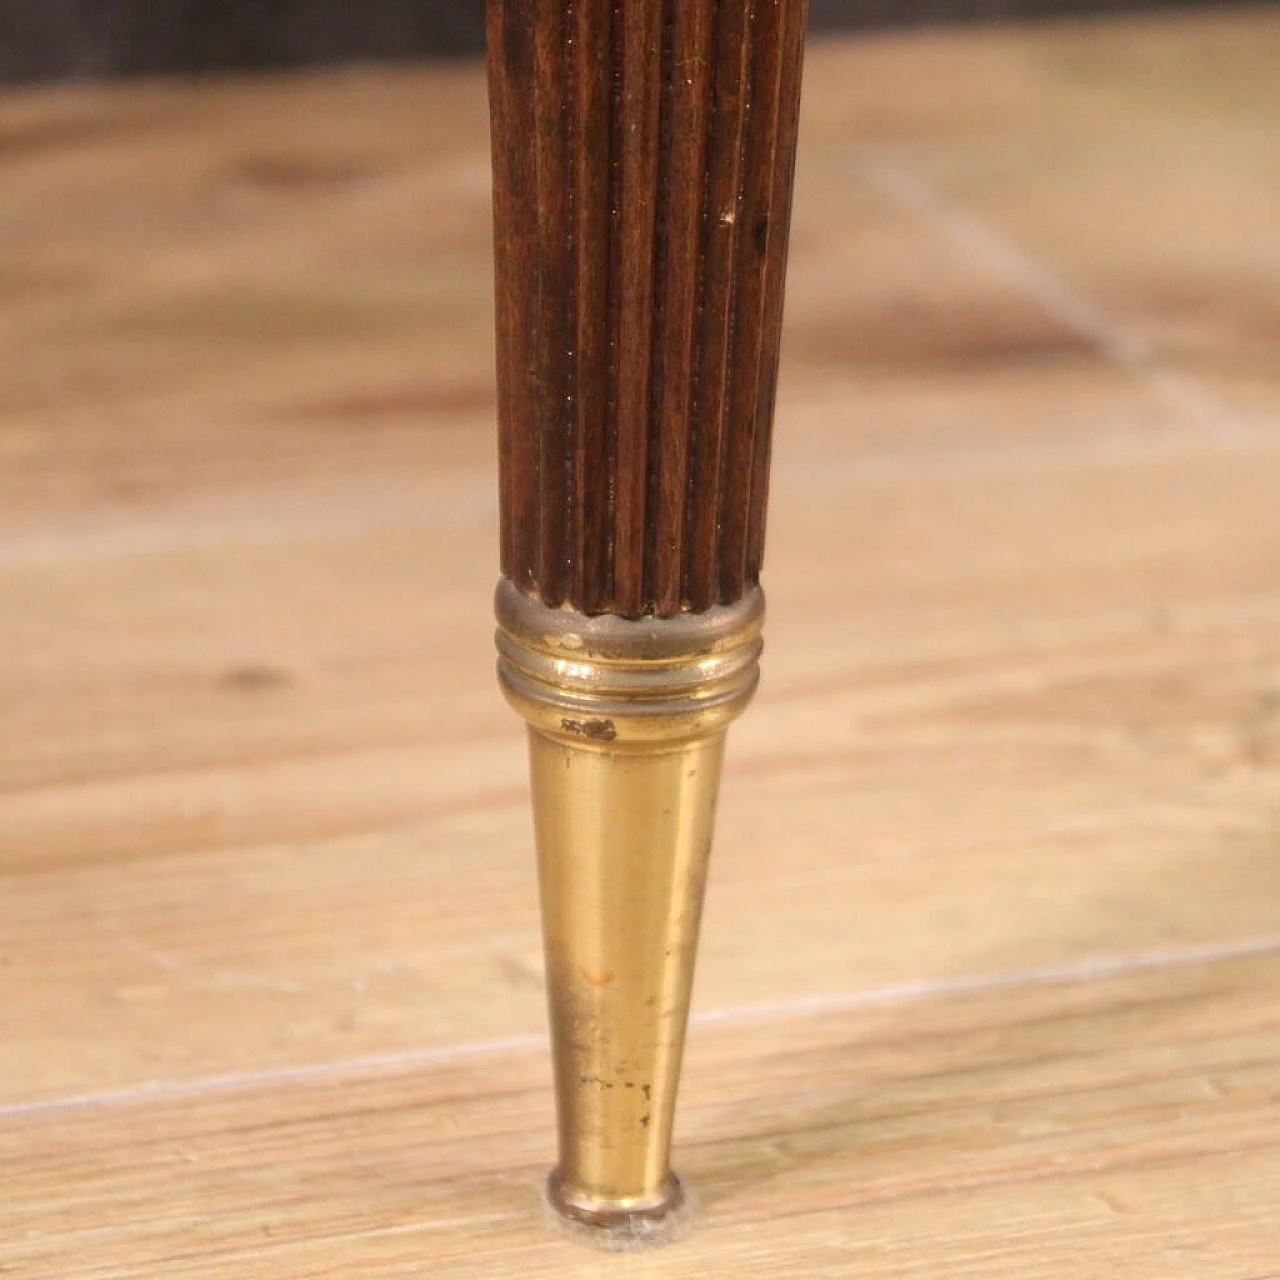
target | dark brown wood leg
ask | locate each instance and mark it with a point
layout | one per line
(643, 161)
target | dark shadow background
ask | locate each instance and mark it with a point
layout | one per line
(59, 39)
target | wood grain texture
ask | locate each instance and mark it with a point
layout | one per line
(643, 164)
(990, 969)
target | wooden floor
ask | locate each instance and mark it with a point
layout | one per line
(990, 984)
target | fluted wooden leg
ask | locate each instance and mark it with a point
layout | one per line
(643, 160)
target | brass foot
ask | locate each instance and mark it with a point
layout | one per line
(627, 722)
(621, 1226)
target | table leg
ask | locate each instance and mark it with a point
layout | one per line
(643, 161)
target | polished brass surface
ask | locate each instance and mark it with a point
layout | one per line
(627, 723)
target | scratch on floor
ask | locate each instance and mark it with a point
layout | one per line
(197, 974)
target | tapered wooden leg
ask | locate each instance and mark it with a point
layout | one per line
(643, 160)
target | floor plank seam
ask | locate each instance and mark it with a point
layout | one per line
(1005, 260)
(1098, 969)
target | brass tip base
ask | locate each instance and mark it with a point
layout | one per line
(627, 722)
(620, 1226)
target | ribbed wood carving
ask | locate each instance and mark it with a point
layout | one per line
(643, 160)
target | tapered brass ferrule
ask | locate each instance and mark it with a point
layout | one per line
(627, 723)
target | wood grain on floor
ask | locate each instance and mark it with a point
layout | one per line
(990, 982)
